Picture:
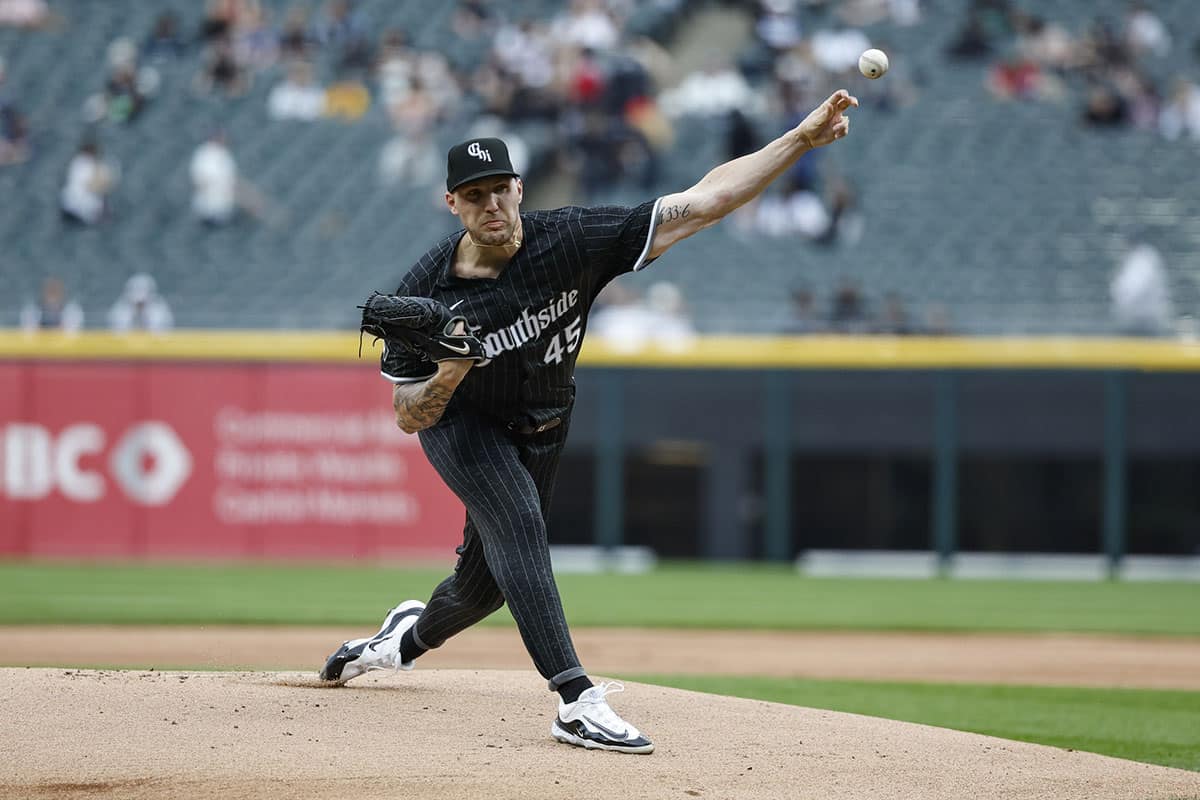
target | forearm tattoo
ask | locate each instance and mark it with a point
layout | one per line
(420, 406)
(672, 213)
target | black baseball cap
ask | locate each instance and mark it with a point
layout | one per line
(477, 158)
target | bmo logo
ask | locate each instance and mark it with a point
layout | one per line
(148, 462)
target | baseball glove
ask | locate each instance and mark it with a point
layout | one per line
(418, 325)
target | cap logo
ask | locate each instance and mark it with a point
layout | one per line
(475, 150)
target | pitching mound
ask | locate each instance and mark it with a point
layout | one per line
(485, 734)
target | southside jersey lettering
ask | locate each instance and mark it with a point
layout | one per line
(527, 326)
(532, 318)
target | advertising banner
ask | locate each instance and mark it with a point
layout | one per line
(170, 460)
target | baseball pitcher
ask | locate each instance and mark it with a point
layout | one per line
(480, 342)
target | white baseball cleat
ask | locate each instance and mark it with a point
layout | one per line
(590, 722)
(381, 651)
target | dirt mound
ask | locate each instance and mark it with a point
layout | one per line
(1046, 659)
(434, 734)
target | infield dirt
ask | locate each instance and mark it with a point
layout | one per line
(445, 733)
(1045, 659)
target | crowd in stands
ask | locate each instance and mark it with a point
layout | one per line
(849, 312)
(628, 320)
(14, 131)
(580, 72)
(139, 307)
(800, 50)
(1102, 68)
(608, 94)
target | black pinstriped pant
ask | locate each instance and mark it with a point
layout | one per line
(505, 480)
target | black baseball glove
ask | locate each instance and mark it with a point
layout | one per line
(418, 325)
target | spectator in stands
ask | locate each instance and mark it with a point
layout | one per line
(849, 313)
(619, 318)
(219, 191)
(836, 50)
(860, 13)
(778, 24)
(845, 221)
(128, 88)
(220, 70)
(972, 42)
(123, 100)
(417, 112)
(53, 310)
(411, 159)
(1141, 296)
(220, 16)
(298, 96)
(587, 24)
(893, 318)
(1181, 116)
(14, 131)
(214, 175)
(586, 80)
(294, 39)
(526, 51)
(1145, 33)
(25, 14)
(1102, 47)
(83, 199)
(670, 324)
(713, 91)
(1047, 44)
(797, 208)
(438, 78)
(255, 43)
(628, 323)
(1142, 100)
(1105, 107)
(596, 150)
(937, 321)
(1015, 78)
(140, 308)
(395, 68)
(347, 99)
(653, 135)
(164, 42)
(343, 30)
(741, 138)
(472, 26)
(804, 317)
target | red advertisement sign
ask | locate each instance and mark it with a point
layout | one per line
(213, 460)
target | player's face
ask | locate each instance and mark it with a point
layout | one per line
(488, 208)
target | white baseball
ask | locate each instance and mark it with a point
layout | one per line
(873, 63)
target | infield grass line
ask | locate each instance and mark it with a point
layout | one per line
(741, 597)
(1154, 726)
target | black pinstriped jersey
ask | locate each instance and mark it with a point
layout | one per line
(532, 318)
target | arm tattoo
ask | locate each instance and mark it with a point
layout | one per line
(672, 213)
(420, 406)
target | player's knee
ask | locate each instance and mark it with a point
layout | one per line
(490, 602)
(482, 600)
(532, 584)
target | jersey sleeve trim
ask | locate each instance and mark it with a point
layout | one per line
(642, 260)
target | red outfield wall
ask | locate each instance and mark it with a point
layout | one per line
(132, 460)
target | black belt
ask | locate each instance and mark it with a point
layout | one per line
(524, 428)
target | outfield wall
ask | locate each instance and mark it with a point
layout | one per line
(146, 459)
(741, 447)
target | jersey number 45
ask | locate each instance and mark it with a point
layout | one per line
(567, 341)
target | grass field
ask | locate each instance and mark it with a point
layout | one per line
(739, 597)
(1158, 727)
